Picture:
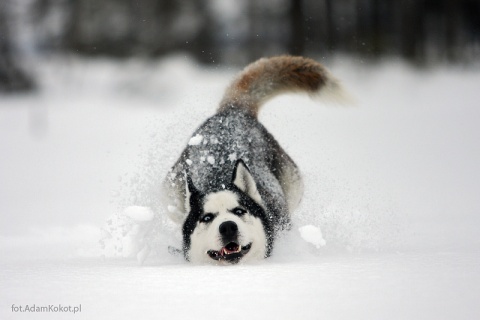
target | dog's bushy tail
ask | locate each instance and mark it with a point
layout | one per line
(269, 77)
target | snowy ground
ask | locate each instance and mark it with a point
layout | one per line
(392, 183)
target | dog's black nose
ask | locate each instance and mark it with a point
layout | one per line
(228, 229)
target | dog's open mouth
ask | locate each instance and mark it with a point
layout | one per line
(232, 252)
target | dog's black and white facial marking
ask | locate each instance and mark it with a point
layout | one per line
(226, 226)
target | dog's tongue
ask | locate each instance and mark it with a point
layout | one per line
(230, 248)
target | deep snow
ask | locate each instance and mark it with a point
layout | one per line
(388, 227)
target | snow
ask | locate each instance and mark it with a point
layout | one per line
(391, 190)
(211, 160)
(171, 208)
(195, 140)
(313, 235)
(139, 213)
(232, 157)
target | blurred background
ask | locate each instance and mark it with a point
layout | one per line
(97, 98)
(230, 32)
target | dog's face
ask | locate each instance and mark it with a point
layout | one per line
(225, 227)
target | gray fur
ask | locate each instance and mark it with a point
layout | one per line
(228, 136)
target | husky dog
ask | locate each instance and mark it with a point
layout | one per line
(234, 188)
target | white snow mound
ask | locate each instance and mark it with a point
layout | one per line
(313, 235)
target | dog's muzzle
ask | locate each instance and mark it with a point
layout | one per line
(232, 251)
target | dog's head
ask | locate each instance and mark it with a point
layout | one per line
(227, 226)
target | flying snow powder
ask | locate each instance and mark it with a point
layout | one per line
(138, 213)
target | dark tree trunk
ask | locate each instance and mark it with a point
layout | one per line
(412, 30)
(452, 23)
(297, 28)
(330, 39)
(12, 77)
(377, 43)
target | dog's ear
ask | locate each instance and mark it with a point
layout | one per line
(189, 190)
(191, 193)
(243, 180)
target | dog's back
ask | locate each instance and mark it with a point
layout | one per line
(234, 133)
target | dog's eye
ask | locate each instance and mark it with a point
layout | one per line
(239, 211)
(207, 218)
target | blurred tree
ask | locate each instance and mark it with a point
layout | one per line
(126, 27)
(296, 45)
(330, 34)
(229, 30)
(201, 43)
(12, 77)
(412, 29)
